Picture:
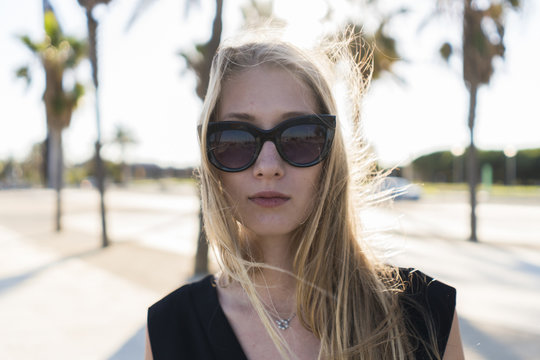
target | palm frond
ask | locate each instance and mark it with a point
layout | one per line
(24, 73)
(52, 28)
(34, 47)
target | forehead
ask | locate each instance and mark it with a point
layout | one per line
(264, 95)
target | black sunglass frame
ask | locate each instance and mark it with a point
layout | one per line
(274, 135)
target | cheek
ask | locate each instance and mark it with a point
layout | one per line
(315, 176)
(310, 184)
(232, 185)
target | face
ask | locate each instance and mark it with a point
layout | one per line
(270, 198)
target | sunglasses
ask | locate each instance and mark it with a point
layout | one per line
(302, 141)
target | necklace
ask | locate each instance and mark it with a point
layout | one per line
(283, 324)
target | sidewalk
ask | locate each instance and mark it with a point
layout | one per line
(63, 297)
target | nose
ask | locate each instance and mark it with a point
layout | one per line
(269, 164)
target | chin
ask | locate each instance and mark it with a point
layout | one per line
(273, 230)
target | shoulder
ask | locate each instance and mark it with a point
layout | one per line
(174, 322)
(423, 287)
(180, 300)
(428, 306)
(172, 301)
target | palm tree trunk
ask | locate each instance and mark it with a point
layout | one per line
(56, 169)
(472, 162)
(100, 172)
(201, 257)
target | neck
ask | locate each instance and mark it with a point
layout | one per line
(276, 287)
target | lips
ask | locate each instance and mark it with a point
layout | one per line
(269, 199)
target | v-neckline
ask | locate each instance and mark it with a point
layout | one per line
(215, 323)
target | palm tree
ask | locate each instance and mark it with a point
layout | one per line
(57, 54)
(92, 24)
(200, 62)
(480, 46)
(379, 45)
(374, 54)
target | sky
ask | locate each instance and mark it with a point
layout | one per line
(145, 88)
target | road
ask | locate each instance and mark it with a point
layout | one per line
(62, 297)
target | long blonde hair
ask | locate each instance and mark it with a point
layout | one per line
(347, 298)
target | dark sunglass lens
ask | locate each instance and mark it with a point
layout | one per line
(232, 148)
(303, 144)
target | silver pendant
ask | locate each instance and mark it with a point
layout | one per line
(283, 324)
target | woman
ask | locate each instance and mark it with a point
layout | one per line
(296, 280)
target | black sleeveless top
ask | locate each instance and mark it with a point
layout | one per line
(189, 323)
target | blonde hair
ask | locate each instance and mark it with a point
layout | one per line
(347, 298)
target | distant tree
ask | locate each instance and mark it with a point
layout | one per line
(482, 42)
(434, 167)
(527, 166)
(438, 166)
(123, 137)
(31, 166)
(57, 54)
(10, 173)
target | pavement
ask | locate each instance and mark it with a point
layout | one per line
(64, 297)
